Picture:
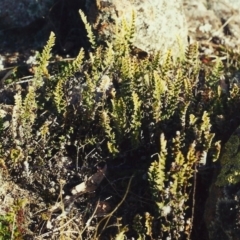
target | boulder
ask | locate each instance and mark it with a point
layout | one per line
(160, 25)
(222, 212)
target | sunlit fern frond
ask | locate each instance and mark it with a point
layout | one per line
(156, 60)
(191, 53)
(136, 118)
(156, 172)
(41, 70)
(59, 100)
(88, 27)
(167, 64)
(216, 72)
(29, 106)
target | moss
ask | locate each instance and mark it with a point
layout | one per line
(230, 161)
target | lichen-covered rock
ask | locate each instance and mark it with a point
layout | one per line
(20, 13)
(222, 212)
(230, 161)
(159, 24)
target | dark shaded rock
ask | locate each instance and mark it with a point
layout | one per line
(222, 210)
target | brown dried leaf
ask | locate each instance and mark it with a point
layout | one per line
(92, 183)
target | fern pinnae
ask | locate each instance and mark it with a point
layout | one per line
(191, 53)
(159, 88)
(88, 27)
(119, 117)
(16, 114)
(216, 73)
(156, 172)
(30, 106)
(77, 62)
(132, 30)
(43, 61)
(46, 54)
(108, 55)
(167, 63)
(156, 61)
(59, 100)
(188, 88)
(111, 141)
(136, 118)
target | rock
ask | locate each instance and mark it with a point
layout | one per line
(159, 24)
(208, 19)
(202, 22)
(222, 212)
(20, 13)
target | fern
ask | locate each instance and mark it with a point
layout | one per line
(191, 53)
(156, 172)
(119, 117)
(159, 89)
(191, 63)
(156, 61)
(111, 143)
(216, 73)
(172, 98)
(59, 100)
(90, 34)
(136, 119)
(132, 31)
(29, 106)
(41, 70)
(28, 112)
(167, 63)
(16, 116)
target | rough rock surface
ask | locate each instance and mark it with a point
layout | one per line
(159, 24)
(22, 12)
(210, 18)
(222, 212)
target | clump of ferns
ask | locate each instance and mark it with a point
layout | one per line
(170, 176)
(156, 92)
(168, 89)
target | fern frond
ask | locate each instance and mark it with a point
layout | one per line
(108, 55)
(121, 234)
(59, 100)
(216, 73)
(167, 65)
(156, 172)
(88, 27)
(159, 89)
(44, 131)
(132, 30)
(119, 116)
(29, 107)
(192, 119)
(111, 143)
(41, 69)
(16, 115)
(191, 53)
(206, 125)
(188, 88)
(156, 60)
(77, 62)
(136, 118)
